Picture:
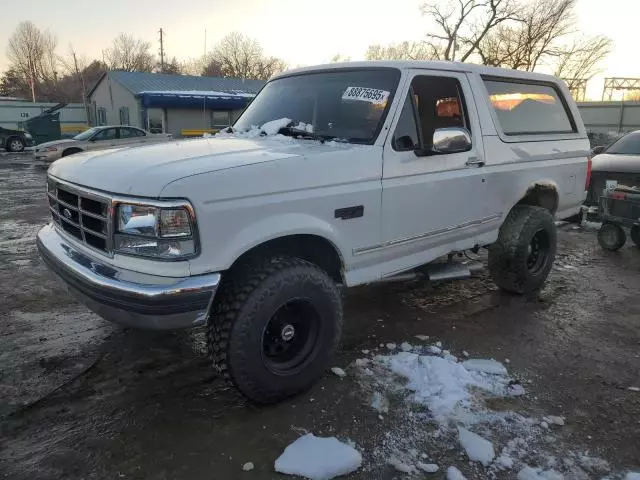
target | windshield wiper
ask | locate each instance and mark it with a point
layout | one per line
(299, 133)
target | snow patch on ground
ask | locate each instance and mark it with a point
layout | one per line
(486, 366)
(454, 474)
(318, 458)
(478, 449)
(446, 407)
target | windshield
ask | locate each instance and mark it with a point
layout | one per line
(86, 134)
(627, 145)
(348, 105)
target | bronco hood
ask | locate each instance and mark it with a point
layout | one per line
(144, 170)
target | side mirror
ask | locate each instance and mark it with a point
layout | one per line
(451, 140)
(404, 143)
(597, 150)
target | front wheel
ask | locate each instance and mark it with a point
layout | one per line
(275, 325)
(15, 144)
(522, 257)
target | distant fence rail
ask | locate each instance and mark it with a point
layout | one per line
(610, 117)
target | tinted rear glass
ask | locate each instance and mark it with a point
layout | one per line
(627, 145)
(525, 109)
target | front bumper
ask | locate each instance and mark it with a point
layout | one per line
(141, 301)
(47, 157)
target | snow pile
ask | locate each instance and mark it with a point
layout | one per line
(478, 449)
(304, 127)
(442, 384)
(274, 126)
(318, 458)
(632, 476)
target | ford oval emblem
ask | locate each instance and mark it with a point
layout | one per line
(67, 213)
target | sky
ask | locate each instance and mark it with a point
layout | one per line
(301, 32)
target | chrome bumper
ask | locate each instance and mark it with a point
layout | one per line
(141, 301)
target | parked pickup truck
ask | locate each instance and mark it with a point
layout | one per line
(333, 176)
(97, 138)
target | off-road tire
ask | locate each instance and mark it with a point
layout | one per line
(635, 235)
(244, 306)
(611, 237)
(508, 256)
(13, 149)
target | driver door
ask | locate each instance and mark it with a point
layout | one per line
(432, 203)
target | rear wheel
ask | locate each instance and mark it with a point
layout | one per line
(611, 237)
(522, 257)
(635, 235)
(15, 144)
(275, 325)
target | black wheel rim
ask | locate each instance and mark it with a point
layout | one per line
(289, 338)
(538, 251)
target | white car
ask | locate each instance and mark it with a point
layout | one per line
(97, 138)
(338, 175)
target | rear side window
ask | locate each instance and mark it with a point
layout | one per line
(529, 109)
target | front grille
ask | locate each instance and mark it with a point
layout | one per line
(81, 214)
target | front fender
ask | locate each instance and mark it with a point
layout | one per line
(225, 252)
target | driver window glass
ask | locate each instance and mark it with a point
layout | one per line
(440, 104)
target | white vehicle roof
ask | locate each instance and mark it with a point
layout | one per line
(431, 65)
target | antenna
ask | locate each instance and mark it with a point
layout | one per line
(161, 51)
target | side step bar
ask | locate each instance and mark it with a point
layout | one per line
(436, 272)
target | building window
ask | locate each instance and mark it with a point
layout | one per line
(220, 118)
(124, 115)
(102, 116)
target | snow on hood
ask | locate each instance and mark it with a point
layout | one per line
(145, 170)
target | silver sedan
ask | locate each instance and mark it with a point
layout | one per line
(97, 138)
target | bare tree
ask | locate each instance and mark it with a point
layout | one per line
(530, 38)
(211, 68)
(462, 25)
(338, 58)
(580, 60)
(129, 54)
(31, 52)
(401, 51)
(239, 56)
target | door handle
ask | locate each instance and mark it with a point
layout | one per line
(475, 162)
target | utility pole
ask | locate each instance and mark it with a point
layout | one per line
(81, 77)
(161, 51)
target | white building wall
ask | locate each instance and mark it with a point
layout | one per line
(111, 96)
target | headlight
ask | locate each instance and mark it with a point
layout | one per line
(49, 149)
(161, 232)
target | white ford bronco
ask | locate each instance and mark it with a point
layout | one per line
(333, 176)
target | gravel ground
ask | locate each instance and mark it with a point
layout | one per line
(81, 398)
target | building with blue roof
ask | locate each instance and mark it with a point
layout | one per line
(182, 105)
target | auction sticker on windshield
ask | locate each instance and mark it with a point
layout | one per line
(372, 95)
